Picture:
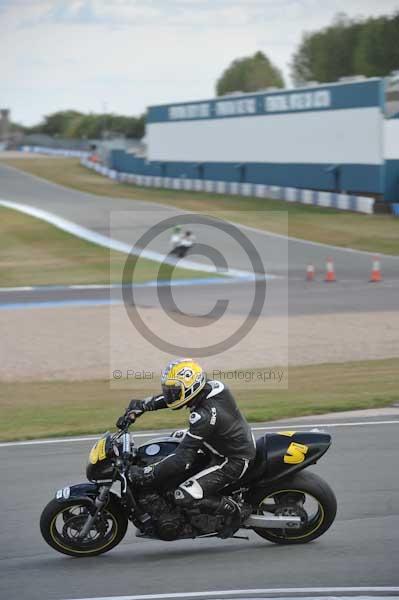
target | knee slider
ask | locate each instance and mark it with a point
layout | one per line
(188, 493)
(182, 498)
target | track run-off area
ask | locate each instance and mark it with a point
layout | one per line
(320, 322)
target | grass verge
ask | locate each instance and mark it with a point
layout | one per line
(375, 233)
(32, 252)
(44, 409)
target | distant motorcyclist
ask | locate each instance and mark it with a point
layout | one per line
(183, 243)
(216, 424)
(176, 237)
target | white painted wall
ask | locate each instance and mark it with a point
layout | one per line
(391, 139)
(328, 136)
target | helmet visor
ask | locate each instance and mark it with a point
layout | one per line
(173, 394)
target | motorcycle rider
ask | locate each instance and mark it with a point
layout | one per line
(182, 242)
(216, 423)
(176, 237)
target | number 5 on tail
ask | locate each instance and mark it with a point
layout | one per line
(295, 453)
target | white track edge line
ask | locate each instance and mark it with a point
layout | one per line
(116, 286)
(294, 426)
(269, 591)
(113, 244)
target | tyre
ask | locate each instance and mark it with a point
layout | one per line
(305, 495)
(61, 523)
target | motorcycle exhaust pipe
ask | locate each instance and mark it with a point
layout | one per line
(272, 522)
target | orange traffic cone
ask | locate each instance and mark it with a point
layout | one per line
(330, 272)
(310, 273)
(376, 270)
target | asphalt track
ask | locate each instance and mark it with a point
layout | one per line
(360, 550)
(127, 220)
(299, 298)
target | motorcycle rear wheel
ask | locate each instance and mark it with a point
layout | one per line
(61, 522)
(293, 496)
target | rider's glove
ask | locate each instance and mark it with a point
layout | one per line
(134, 410)
(124, 421)
(141, 478)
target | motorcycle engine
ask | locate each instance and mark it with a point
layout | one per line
(169, 526)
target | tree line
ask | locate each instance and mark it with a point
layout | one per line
(74, 124)
(347, 47)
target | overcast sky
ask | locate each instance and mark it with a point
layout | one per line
(123, 55)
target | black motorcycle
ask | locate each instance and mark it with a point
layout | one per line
(181, 250)
(287, 505)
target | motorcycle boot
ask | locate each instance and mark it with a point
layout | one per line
(229, 509)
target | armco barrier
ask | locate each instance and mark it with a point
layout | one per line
(55, 151)
(326, 199)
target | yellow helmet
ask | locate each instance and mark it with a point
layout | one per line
(181, 381)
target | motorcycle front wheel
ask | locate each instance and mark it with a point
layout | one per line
(305, 495)
(62, 522)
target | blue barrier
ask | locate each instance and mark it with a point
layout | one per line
(313, 197)
(320, 176)
(392, 180)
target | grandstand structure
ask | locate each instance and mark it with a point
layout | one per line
(334, 137)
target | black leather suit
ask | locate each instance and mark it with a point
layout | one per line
(217, 424)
